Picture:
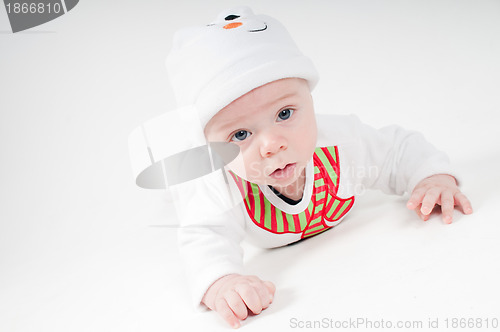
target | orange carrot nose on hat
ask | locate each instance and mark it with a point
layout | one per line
(212, 65)
(232, 25)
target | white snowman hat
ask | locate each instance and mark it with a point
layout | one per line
(209, 67)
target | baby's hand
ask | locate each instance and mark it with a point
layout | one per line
(231, 295)
(439, 189)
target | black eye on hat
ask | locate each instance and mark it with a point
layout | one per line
(231, 17)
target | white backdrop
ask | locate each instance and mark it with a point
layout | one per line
(83, 249)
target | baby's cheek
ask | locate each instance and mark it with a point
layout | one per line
(247, 168)
(238, 166)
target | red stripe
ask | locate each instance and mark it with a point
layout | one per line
(321, 201)
(262, 207)
(251, 199)
(331, 160)
(285, 223)
(296, 221)
(320, 189)
(328, 179)
(315, 225)
(317, 214)
(315, 157)
(317, 163)
(329, 206)
(274, 226)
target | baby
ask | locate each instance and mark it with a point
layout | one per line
(248, 85)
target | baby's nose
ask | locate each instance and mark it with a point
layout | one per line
(272, 144)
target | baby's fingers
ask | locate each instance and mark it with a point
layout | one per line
(249, 295)
(421, 216)
(463, 201)
(237, 304)
(415, 199)
(265, 292)
(222, 307)
(429, 201)
(271, 288)
(447, 206)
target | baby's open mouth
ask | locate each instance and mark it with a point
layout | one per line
(283, 173)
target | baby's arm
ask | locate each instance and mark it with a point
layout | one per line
(209, 244)
(403, 161)
(233, 295)
(439, 189)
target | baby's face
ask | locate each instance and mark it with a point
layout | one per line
(274, 126)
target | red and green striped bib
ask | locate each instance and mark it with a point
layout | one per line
(323, 205)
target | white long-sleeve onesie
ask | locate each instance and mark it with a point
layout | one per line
(214, 221)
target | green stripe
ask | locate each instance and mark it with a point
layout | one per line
(279, 221)
(342, 209)
(320, 195)
(255, 193)
(291, 224)
(333, 175)
(315, 221)
(319, 182)
(329, 167)
(332, 209)
(323, 158)
(319, 227)
(267, 214)
(315, 228)
(328, 199)
(302, 220)
(319, 208)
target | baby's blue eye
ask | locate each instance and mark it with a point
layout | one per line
(240, 135)
(285, 114)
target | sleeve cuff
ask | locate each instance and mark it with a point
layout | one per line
(432, 166)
